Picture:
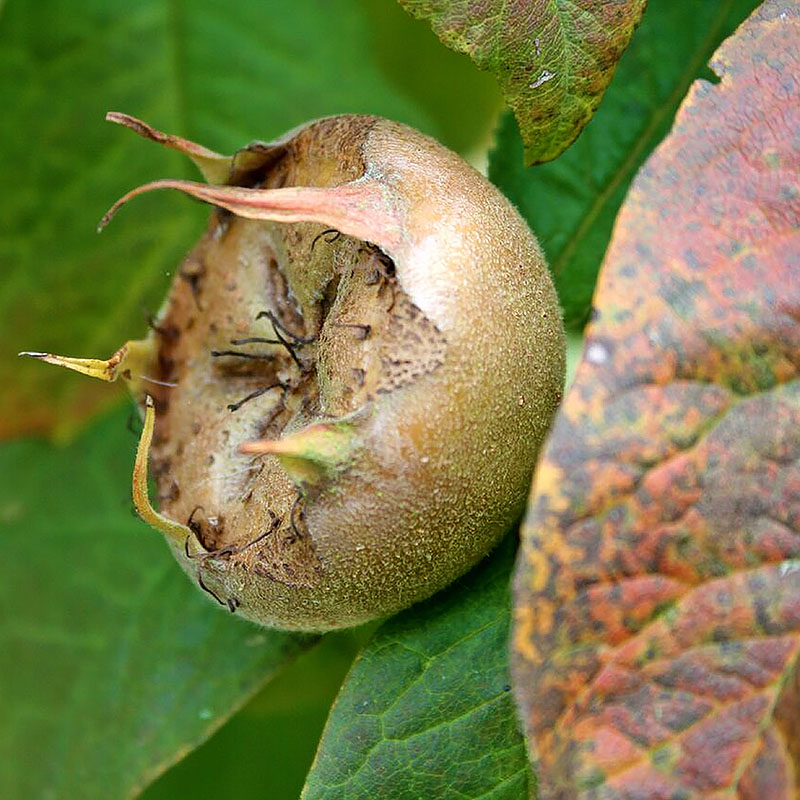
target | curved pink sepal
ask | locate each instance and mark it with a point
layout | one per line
(358, 209)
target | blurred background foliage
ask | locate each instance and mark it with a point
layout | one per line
(220, 75)
(265, 750)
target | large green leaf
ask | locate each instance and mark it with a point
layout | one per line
(219, 74)
(552, 58)
(112, 664)
(571, 203)
(427, 709)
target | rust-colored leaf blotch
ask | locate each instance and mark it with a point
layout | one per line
(657, 618)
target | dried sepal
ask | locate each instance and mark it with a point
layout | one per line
(133, 362)
(214, 167)
(181, 536)
(357, 209)
(311, 455)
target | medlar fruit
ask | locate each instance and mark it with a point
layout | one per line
(347, 386)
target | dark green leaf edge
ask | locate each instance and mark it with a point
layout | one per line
(384, 738)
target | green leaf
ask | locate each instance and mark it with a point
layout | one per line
(571, 204)
(112, 664)
(219, 75)
(272, 740)
(553, 59)
(427, 709)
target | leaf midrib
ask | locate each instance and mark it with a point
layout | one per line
(656, 118)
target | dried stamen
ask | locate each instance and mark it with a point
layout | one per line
(280, 330)
(241, 354)
(330, 235)
(256, 393)
(280, 327)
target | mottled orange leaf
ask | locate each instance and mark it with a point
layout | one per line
(657, 620)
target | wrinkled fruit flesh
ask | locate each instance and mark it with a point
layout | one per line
(350, 381)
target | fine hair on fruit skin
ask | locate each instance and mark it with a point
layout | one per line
(347, 386)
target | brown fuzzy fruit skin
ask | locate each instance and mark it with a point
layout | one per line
(431, 365)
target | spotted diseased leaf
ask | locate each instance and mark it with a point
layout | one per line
(657, 616)
(553, 60)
